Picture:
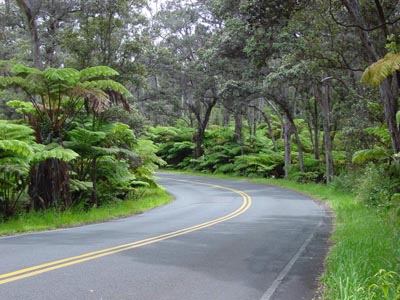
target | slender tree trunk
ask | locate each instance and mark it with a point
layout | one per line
(390, 106)
(300, 148)
(287, 127)
(324, 102)
(30, 17)
(94, 181)
(316, 131)
(238, 128)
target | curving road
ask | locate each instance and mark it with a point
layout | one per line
(220, 240)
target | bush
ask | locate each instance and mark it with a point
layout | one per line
(376, 187)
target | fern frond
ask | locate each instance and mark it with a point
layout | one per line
(83, 136)
(68, 75)
(58, 153)
(383, 68)
(17, 147)
(108, 85)
(78, 185)
(97, 72)
(362, 156)
(9, 131)
(15, 81)
(24, 70)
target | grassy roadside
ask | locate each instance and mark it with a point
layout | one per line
(37, 221)
(364, 261)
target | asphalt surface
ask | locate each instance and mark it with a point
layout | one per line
(255, 242)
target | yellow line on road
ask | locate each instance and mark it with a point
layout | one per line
(62, 263)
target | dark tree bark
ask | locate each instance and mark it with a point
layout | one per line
(202, 122)
(49, 185)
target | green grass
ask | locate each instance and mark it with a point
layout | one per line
(37, 221)
(364, 260)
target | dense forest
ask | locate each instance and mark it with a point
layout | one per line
(95, 95)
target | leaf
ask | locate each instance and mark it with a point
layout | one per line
(383, 68)
(22, 69)
(69, 75)
(362, 156)
(58, 153)
(16, 146)
(97, 72)
(398, 118)
(78, 185)
(108, 85)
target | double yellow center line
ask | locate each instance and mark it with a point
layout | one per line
(62, 263)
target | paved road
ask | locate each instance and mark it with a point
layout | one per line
(231, 240)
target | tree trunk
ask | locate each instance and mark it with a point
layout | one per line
(49, 185)
(390, 106)
(287, 127)
(316, 131)
(202, 123)
(94, 180)
(30, 17)
(324, 102)
(299, 147)
(238, 128)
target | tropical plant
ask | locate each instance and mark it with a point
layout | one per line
(18, 153)
(56, 97)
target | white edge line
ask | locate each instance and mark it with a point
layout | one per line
(271, 290)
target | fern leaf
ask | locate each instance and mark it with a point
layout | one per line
(69, 75)
(9, 131)
(78, 185)
(58, 153)
(24, 70)
(383, 68)
(108, 85)
(83, 136)
(362, 156)
(16, 146)
(97, 72)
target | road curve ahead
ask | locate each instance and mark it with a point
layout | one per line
(219, 240)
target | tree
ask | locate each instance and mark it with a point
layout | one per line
(374, 23)
(56, 97)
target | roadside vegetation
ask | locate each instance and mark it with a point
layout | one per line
(138, 202)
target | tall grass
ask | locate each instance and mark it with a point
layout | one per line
(51, 219)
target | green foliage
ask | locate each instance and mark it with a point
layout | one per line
(16, 147)
(375, 187)
(260, 165)
(366, 155)
(386, 286)
(383, 68)
(174, 144)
